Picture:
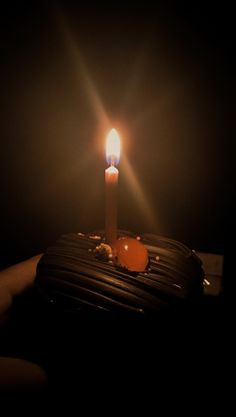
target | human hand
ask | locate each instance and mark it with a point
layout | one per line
(14, 281)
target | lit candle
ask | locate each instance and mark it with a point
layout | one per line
(111, 183)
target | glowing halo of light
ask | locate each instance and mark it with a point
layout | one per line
(139, 193)
(81, 72)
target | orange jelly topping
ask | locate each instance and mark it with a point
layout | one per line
(130, 254)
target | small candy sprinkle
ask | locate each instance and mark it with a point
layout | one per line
(177, 286)
(95, 237)
(157, 258)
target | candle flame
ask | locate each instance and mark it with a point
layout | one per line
(113, 147)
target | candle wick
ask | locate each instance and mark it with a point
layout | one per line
(112, 161)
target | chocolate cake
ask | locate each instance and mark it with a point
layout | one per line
(82, 274)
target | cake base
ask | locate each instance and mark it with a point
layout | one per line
(73, 278)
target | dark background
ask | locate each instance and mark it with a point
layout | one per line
(162, 74)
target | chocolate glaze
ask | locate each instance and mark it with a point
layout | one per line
(73, 278)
